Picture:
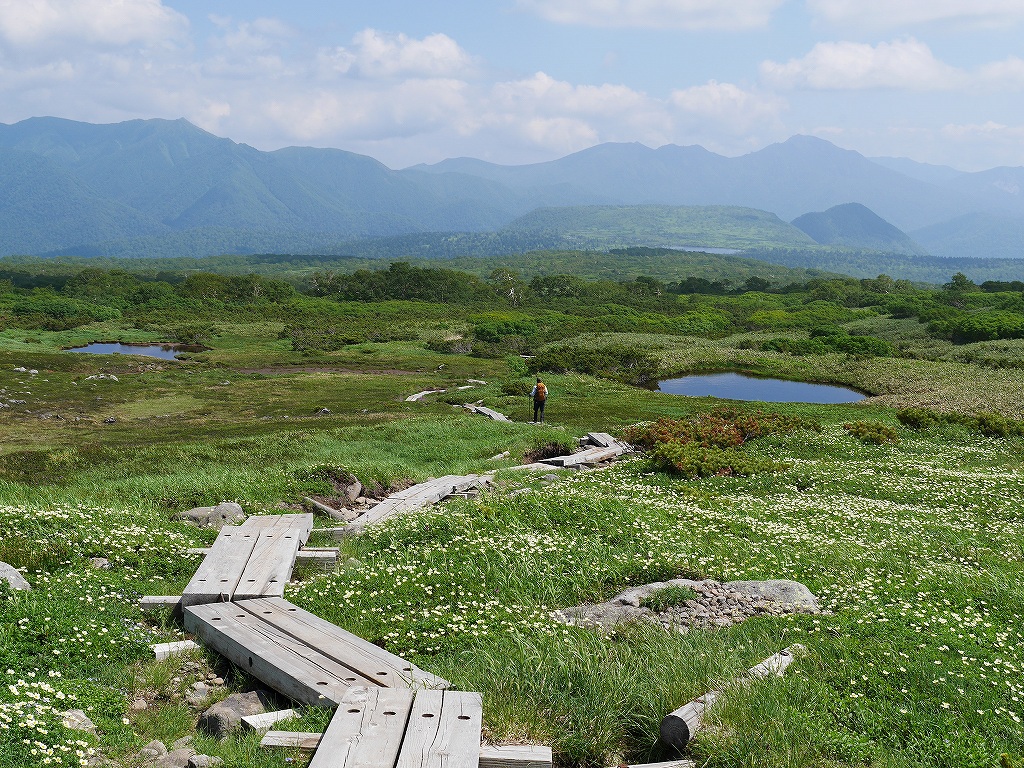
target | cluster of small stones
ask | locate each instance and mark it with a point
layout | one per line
(716, 604)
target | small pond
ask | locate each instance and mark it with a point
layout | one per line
(738, 386)
(163, 351)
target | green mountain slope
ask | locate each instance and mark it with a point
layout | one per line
(976, 235)
(855, 226)
(664, 226)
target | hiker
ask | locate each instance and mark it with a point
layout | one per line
(539, 393)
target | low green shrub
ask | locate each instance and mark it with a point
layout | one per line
(872, 432)
(986, 423)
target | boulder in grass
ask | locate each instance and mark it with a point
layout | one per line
(13, 577)
(782, 592)
(225, 717)
(204, 761)
(77, 720)
(225, 513)
(177, 759)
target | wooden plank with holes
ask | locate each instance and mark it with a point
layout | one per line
(270, 565)
(370, 661)
(217, 576)
(443, 731)
(366, 730)
(286, 665)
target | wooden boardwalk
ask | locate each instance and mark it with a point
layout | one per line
(254, 559)
(411, 499)
(299, 654)
(397, 728)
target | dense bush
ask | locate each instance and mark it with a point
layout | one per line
(989, 424)
(872, 432)
(711, 443)
(618, 361)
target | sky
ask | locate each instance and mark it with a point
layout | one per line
(520, 81)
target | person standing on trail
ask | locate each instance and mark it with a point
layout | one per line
(539, 393)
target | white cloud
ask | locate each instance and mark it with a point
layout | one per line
(888, 14)
(656, 14)
(732, 108)
(904, 64)
(46, 23)
(377, 54)
(1008, 73)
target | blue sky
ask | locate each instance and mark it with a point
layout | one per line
(516, 81)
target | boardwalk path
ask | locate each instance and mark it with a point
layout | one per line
(388, 712)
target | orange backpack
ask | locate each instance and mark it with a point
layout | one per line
(542, 392)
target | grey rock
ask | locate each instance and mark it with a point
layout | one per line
(204, 761)
(140, 704)
(184, 741)
(225, 513)
(13, 577)
(225, 717)
(323, 412)
(99, 563)
(177, 759)
(77, 720)
(354, 491)
(779, 591)
(199, 693)
(153, 750)
(109, 420)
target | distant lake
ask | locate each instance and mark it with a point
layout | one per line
(163, 351)
(738, 386)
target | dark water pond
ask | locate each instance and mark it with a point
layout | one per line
(737, 386)
(163, 351)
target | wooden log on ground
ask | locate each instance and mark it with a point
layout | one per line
(152, 603)
(265, 720)
(678, 727)
(165, 650)
(290, 740)
(323, 509)
(413, 498)
(420, 395)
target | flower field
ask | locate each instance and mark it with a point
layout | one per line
(914, 547)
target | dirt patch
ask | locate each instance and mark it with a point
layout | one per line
(546, 451)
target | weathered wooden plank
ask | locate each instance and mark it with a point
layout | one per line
(416, 497)
(588, 456)
(290, 739)
(366, 730)
(515, 756)
(218, 574)
(370, 661)
(263, 721)
(679, 726)
(443, 731)
(308, 555)
(159, 602)
(491, 414)
(278, 660)
(511, 756)
(270, 565)
(163, 651)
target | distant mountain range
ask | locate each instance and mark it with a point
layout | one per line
(159, 187)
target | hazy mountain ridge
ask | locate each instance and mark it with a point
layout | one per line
(157, 184)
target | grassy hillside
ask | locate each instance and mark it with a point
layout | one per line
(600, 227)
(854, 226)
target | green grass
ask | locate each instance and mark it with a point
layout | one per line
(914, 547)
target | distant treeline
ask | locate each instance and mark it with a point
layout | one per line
(505, 313)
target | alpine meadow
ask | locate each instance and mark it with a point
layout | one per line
(562, 384)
